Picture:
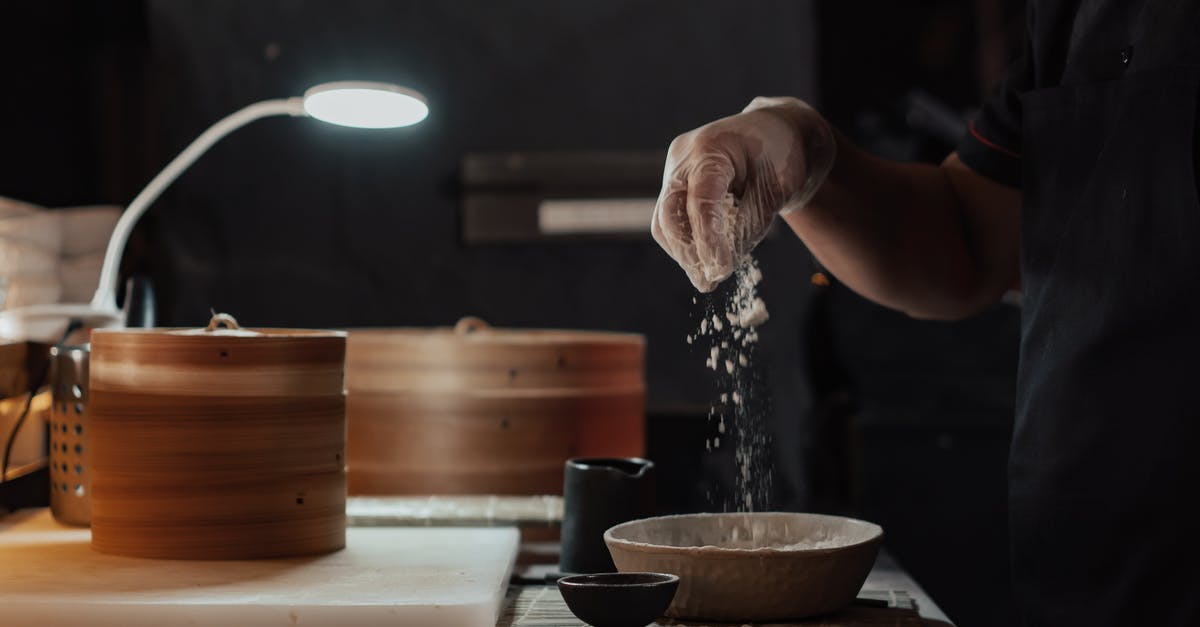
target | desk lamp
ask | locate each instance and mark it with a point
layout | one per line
(358, 104)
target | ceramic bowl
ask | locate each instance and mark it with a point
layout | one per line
(618, 599)
(751, 567)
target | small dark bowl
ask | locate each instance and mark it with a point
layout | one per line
(618, 599)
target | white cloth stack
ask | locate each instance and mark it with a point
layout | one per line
(51, 255)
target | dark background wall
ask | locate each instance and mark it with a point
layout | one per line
(299, 223)
(291, 222)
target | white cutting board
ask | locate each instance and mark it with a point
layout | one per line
(436, 577)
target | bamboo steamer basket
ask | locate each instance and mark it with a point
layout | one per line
(482, 410)
(217, 443)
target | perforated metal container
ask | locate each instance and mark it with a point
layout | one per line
(70, 424)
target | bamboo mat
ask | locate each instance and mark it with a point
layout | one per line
(454, 511)
(543, 606)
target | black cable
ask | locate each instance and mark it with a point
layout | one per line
(36, 384)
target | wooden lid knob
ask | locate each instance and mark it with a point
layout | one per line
(219, 319)
(470, 324)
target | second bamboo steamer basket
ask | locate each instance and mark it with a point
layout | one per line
(218, 444)
(482, 410)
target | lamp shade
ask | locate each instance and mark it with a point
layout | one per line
(363, 104)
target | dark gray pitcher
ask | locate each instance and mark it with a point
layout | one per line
(597, 494)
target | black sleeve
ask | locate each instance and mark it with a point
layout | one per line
(992, 145)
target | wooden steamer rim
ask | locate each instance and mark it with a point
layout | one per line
(218, 443)
(471, 330)
(475, 359)
(236, 361)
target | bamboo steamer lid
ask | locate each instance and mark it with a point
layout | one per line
(482, 410)
(218, 443)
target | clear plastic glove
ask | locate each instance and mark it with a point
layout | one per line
(725, 182)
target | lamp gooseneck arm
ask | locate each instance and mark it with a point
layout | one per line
(105, 298)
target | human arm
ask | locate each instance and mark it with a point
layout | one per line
(939, 242)
(932, 241)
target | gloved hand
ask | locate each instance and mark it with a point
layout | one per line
(725, 181)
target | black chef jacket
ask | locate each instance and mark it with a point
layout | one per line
(1096, 126)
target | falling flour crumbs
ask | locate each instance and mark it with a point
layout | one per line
(730, 330)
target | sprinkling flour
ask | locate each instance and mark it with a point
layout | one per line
(730, 330)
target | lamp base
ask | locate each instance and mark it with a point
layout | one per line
(47, 323)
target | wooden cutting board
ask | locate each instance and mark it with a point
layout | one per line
(439, 577)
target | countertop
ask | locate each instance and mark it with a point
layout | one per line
(532, 603)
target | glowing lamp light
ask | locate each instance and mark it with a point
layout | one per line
(365, 105)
